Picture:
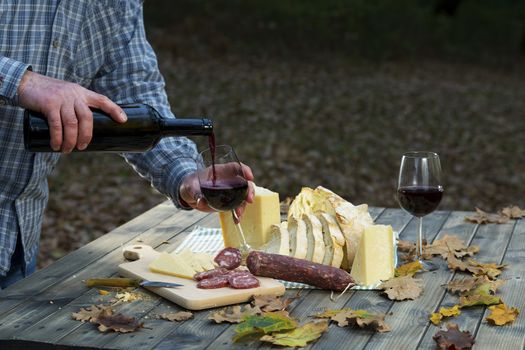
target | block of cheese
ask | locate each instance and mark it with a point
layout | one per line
(374, 259)
(172, 265)
(256, 221)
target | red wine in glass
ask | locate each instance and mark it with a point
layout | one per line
(226, 194)
(420, 200)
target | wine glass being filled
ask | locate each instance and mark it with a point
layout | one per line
(223, 183)
(420, 190)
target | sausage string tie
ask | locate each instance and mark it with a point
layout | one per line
(340, 295)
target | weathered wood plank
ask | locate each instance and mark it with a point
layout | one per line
(510, 336)
(344, 338)
(73, 290)
(492, 240)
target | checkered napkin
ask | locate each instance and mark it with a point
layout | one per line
(209, 240)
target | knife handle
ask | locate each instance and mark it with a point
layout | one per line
(137, 251)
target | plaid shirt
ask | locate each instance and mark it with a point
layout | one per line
(101, 45)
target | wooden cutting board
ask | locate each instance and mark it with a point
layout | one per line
(189, 296)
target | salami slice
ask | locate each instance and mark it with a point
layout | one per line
(298, 270)
(210, 273)
(229, 258)
(213, 282)
(243, 281)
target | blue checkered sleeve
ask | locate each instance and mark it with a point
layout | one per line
(11, 72)
(130, 75)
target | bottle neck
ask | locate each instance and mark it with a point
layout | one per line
(185, 127)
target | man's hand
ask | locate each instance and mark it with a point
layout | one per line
(190, 191)
(66, 107)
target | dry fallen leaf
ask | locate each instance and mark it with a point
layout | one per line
(501, 314)
(363, 318)
(126, 297)
(406, 246)
(176, 316)
(436, 317)
(268, 303)
(464, 285)
(402, 288)
(88, 313)
(409, 269)
(266, 323)
(513, 212)
(298, 337)
(453, 338)
(447, 245)
(482, 217)
(107, 321)
(234, 314)
(491, 270)
(478, 299)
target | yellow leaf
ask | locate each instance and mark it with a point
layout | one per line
(298, 337)
(450, 311)
(501, 314)
(436, 318)
(409, 269)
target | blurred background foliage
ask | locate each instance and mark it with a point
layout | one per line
(325, 93)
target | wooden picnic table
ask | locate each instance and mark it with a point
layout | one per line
(35, 313)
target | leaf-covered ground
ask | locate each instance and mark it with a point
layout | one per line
(308, 120)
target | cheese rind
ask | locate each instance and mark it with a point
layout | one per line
(172, 265)
(374, 259)
(256, 221)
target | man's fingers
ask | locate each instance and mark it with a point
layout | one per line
(85, 124)
(251, 192)
(55, 129)
(108, 106)
(248, 174)
(70, 128)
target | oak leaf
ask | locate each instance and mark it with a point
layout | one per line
(447, 246)
(482, 217)
(464, 285)
(513, 212)
(235, 314)
(409, 269)
(88, 313)
(107, 321)
(361, 318)
(298, 337)
(402, 288)
(436, 317)
(491, 270)
(268, 303)
(266, 323)
(176, 316)
(453, 338)
(501, 314)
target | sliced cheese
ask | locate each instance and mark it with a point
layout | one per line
(189, 258)
(256, 221)
(172, 265)
(205, 260)
(374, 259)
(298, 240)
(279, 242)
(333, 239)
(314, 233)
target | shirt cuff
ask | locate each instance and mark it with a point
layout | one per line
(176, 173)
(11, 72)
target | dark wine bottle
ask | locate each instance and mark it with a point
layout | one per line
(141, 132)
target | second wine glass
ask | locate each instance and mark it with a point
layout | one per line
(222, 183)
(420, 190)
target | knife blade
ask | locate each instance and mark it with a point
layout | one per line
(159, 284)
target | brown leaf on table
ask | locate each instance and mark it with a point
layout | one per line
(88, 313)
(453, 338)
(501, 314)
(176, 316)
(456, 264)
(234, 314)
(402, 288)
(447, 245)
(491, 270)
(478, 299)
(298, 337)
(107, 321)
(409, 269)
(482, 217)
(362, 318)
(513, 212)
(268, 303)
(464, 285)
(469, 251)
(406, 246)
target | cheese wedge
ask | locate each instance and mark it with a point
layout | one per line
(333, 240)
(298, 240)
(256, 221)
(205, 260)
(189, 258)
(314, 233)
(374, 259)
(279, 242)
(172, 265)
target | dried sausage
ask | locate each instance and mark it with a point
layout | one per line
(229, 258)
(213, 282)
(298, 270)
(210, 273)
(243, 281)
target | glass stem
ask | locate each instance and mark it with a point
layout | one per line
(419, 242)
